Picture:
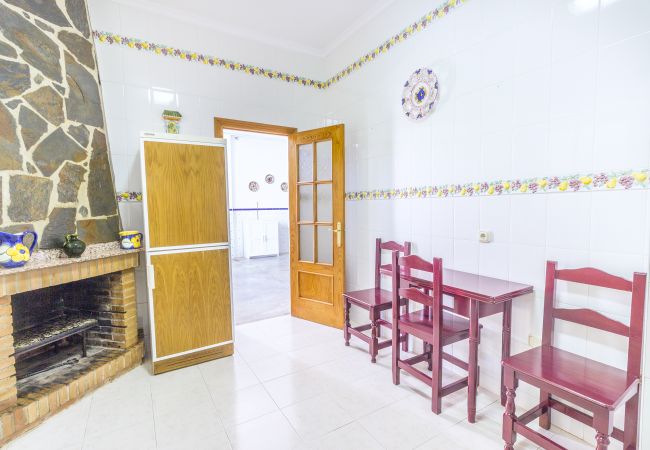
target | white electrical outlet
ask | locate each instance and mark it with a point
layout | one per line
(534, 341)
(485, 236)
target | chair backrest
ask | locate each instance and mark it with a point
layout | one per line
(404, 249)
(594, 319)
(414, 262)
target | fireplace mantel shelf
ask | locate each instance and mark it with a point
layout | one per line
(44, 259)
(52, 267)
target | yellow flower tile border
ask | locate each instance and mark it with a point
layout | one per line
(601, 181)
(623, 180)
(106, 37)
(129, 196)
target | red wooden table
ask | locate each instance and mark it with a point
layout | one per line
(477, 296)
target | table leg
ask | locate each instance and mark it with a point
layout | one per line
(472, 380)
(346, 325)
(505, 342)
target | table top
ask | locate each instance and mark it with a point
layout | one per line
(465, 284)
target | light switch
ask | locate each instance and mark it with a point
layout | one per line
(485, 236)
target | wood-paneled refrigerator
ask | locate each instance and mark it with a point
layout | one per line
(187, 247)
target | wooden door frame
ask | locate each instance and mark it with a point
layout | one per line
(221, 123)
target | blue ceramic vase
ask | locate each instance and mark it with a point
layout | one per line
(13, 251)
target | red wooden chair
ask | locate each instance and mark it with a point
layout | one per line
(374, 300)
(435, 326)
(593, 386)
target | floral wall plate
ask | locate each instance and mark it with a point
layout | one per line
(270, 179)
(284, 186)
(420, 94)
(253, 186)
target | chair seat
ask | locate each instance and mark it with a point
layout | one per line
(454, 328)
(377, 298)
(588, 379)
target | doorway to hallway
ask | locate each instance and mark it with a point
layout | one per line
(259, 224)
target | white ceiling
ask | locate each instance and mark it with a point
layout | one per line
(308, 26)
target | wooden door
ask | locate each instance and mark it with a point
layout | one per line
(185, 194)
(317, 224)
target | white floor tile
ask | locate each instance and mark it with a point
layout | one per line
(296, 387)
(349, 437)
(272, 432)
(276, 366)
(228, 374)
(317, 416)
(187, 428)
(243, 405)
(138, 435)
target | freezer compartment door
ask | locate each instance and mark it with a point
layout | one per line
(185, 194)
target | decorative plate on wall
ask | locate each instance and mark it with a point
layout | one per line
(284, 186)
(270, 179)
(420, 94)
(254, 186)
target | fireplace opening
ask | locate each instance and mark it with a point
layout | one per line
(62, 330)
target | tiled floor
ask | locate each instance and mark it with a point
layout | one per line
(291, 385)
(260, 288)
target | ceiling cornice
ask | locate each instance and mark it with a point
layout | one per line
(180, 14)
(410, 30)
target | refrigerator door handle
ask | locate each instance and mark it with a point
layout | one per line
(151, 277)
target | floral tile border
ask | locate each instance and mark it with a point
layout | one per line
(126, 196)
(601, 181)
(419, 25)
(623, 180)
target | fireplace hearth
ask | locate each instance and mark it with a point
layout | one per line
(67, 326)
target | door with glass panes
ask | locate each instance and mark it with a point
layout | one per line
(317, 224)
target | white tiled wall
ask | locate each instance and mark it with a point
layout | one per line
(528, 88)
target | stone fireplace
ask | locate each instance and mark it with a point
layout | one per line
(67, 326)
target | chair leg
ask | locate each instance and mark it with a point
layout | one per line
(374, 342)
(395, 355)
(346, 327)
(604, 425)
(379, 326)
(631, 423)
(545, 419)
(602, 441)
(405, 343)
(436, 377)
(509, 435)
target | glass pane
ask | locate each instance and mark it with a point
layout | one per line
(306, 203)
(306, 242)
(324, 160)
(324, 194)
(325, 245)
(305, 162)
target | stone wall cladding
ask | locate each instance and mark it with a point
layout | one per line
(53, 152)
